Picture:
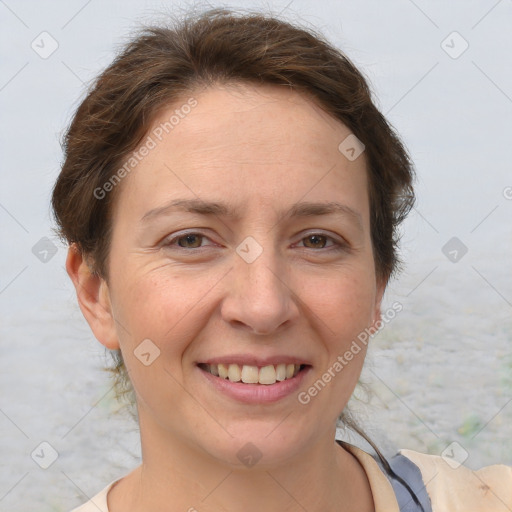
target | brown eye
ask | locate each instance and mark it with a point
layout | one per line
(194, 239)
(190, 243)
(317, 241)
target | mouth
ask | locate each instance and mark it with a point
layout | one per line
(267, 375)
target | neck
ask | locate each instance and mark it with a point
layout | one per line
(177, 476)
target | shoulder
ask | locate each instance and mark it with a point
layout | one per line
(454, 487)
(98, 503)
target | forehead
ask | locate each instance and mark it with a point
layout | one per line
(263, 117)
(265, 143)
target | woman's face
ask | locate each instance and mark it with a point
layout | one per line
(251, 276)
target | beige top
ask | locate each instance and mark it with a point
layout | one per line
(450, 490)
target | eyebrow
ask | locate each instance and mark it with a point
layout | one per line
(302, 209)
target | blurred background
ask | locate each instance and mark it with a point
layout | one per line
(440, 372)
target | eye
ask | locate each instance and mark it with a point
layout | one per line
(319, 240)
(186, 241)
(193, 240)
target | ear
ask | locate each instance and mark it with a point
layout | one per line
(93, 298)
(377, 315)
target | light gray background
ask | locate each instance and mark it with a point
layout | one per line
(441, 371)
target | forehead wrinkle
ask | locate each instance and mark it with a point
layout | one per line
(301, 209)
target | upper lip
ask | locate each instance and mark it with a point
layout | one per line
(251, 360)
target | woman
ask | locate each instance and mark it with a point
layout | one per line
(231, 198)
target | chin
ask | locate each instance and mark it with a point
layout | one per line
(258, 443)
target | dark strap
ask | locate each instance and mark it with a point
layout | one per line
(412, 499)
(406, 480)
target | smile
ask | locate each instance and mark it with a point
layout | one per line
(249, 374)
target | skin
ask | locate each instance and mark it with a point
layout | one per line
(260, 149)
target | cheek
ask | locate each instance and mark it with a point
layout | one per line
(157, 316)
(162, 305)
(344, 303)
(175, 304)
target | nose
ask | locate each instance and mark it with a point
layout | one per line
(260, 296)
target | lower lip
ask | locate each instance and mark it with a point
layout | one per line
(256, 393)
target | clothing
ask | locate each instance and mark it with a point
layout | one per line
(436, 486)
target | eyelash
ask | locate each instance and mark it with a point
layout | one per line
(337, 245)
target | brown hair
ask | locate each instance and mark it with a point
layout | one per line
(163, 64)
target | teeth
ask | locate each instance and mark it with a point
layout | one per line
(234, 373)
(269, 374)
(280, 372)
(250, 374)
(223, 370)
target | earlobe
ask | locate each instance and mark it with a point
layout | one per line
(93, 298)
(381, 287)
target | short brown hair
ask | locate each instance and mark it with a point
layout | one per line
(162, 64)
